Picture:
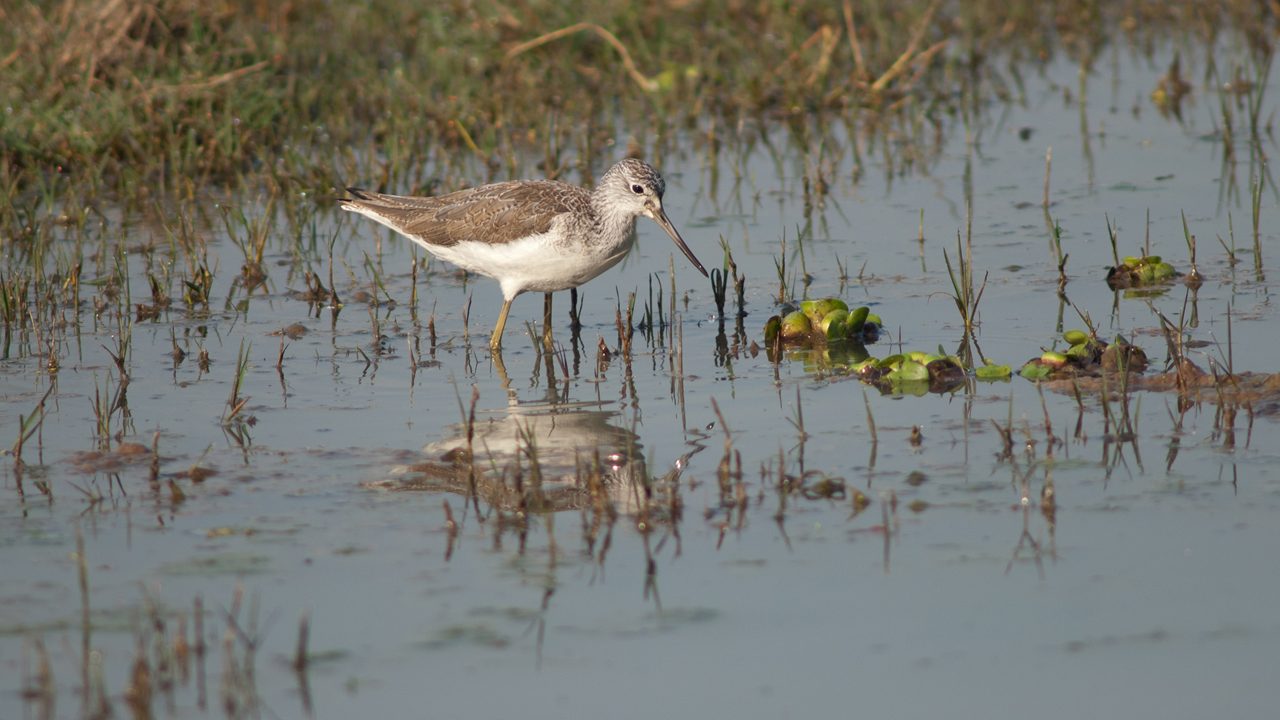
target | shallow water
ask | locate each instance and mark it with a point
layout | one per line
(1145, 593)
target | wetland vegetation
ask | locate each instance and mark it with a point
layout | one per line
(260, 461)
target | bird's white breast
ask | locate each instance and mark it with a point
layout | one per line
(538, 263)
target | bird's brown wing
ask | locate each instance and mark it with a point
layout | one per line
(498, 213)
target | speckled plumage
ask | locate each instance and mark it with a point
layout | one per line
(530, 235)
(496, 214)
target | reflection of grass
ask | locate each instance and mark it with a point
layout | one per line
(456, 635)
(172, 653)
(221, 564)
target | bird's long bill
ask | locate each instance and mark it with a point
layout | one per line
(660, 217)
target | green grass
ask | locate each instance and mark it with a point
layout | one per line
(172, 99)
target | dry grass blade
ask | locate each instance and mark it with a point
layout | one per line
(909, 55)
(190, 88)
(646, 83)
(855, 47)
(827, 38)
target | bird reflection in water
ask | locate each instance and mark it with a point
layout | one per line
(545, 456)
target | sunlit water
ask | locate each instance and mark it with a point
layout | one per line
(1147, 593)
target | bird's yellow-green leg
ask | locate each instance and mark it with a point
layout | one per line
(546, 321)
(495, 342)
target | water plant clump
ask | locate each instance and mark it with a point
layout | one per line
(1085, 355)
(818, 323)
(1141, 272)
(914, 373)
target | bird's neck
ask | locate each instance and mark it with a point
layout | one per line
(610, 222)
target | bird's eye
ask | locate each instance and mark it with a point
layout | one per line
(637, 189)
